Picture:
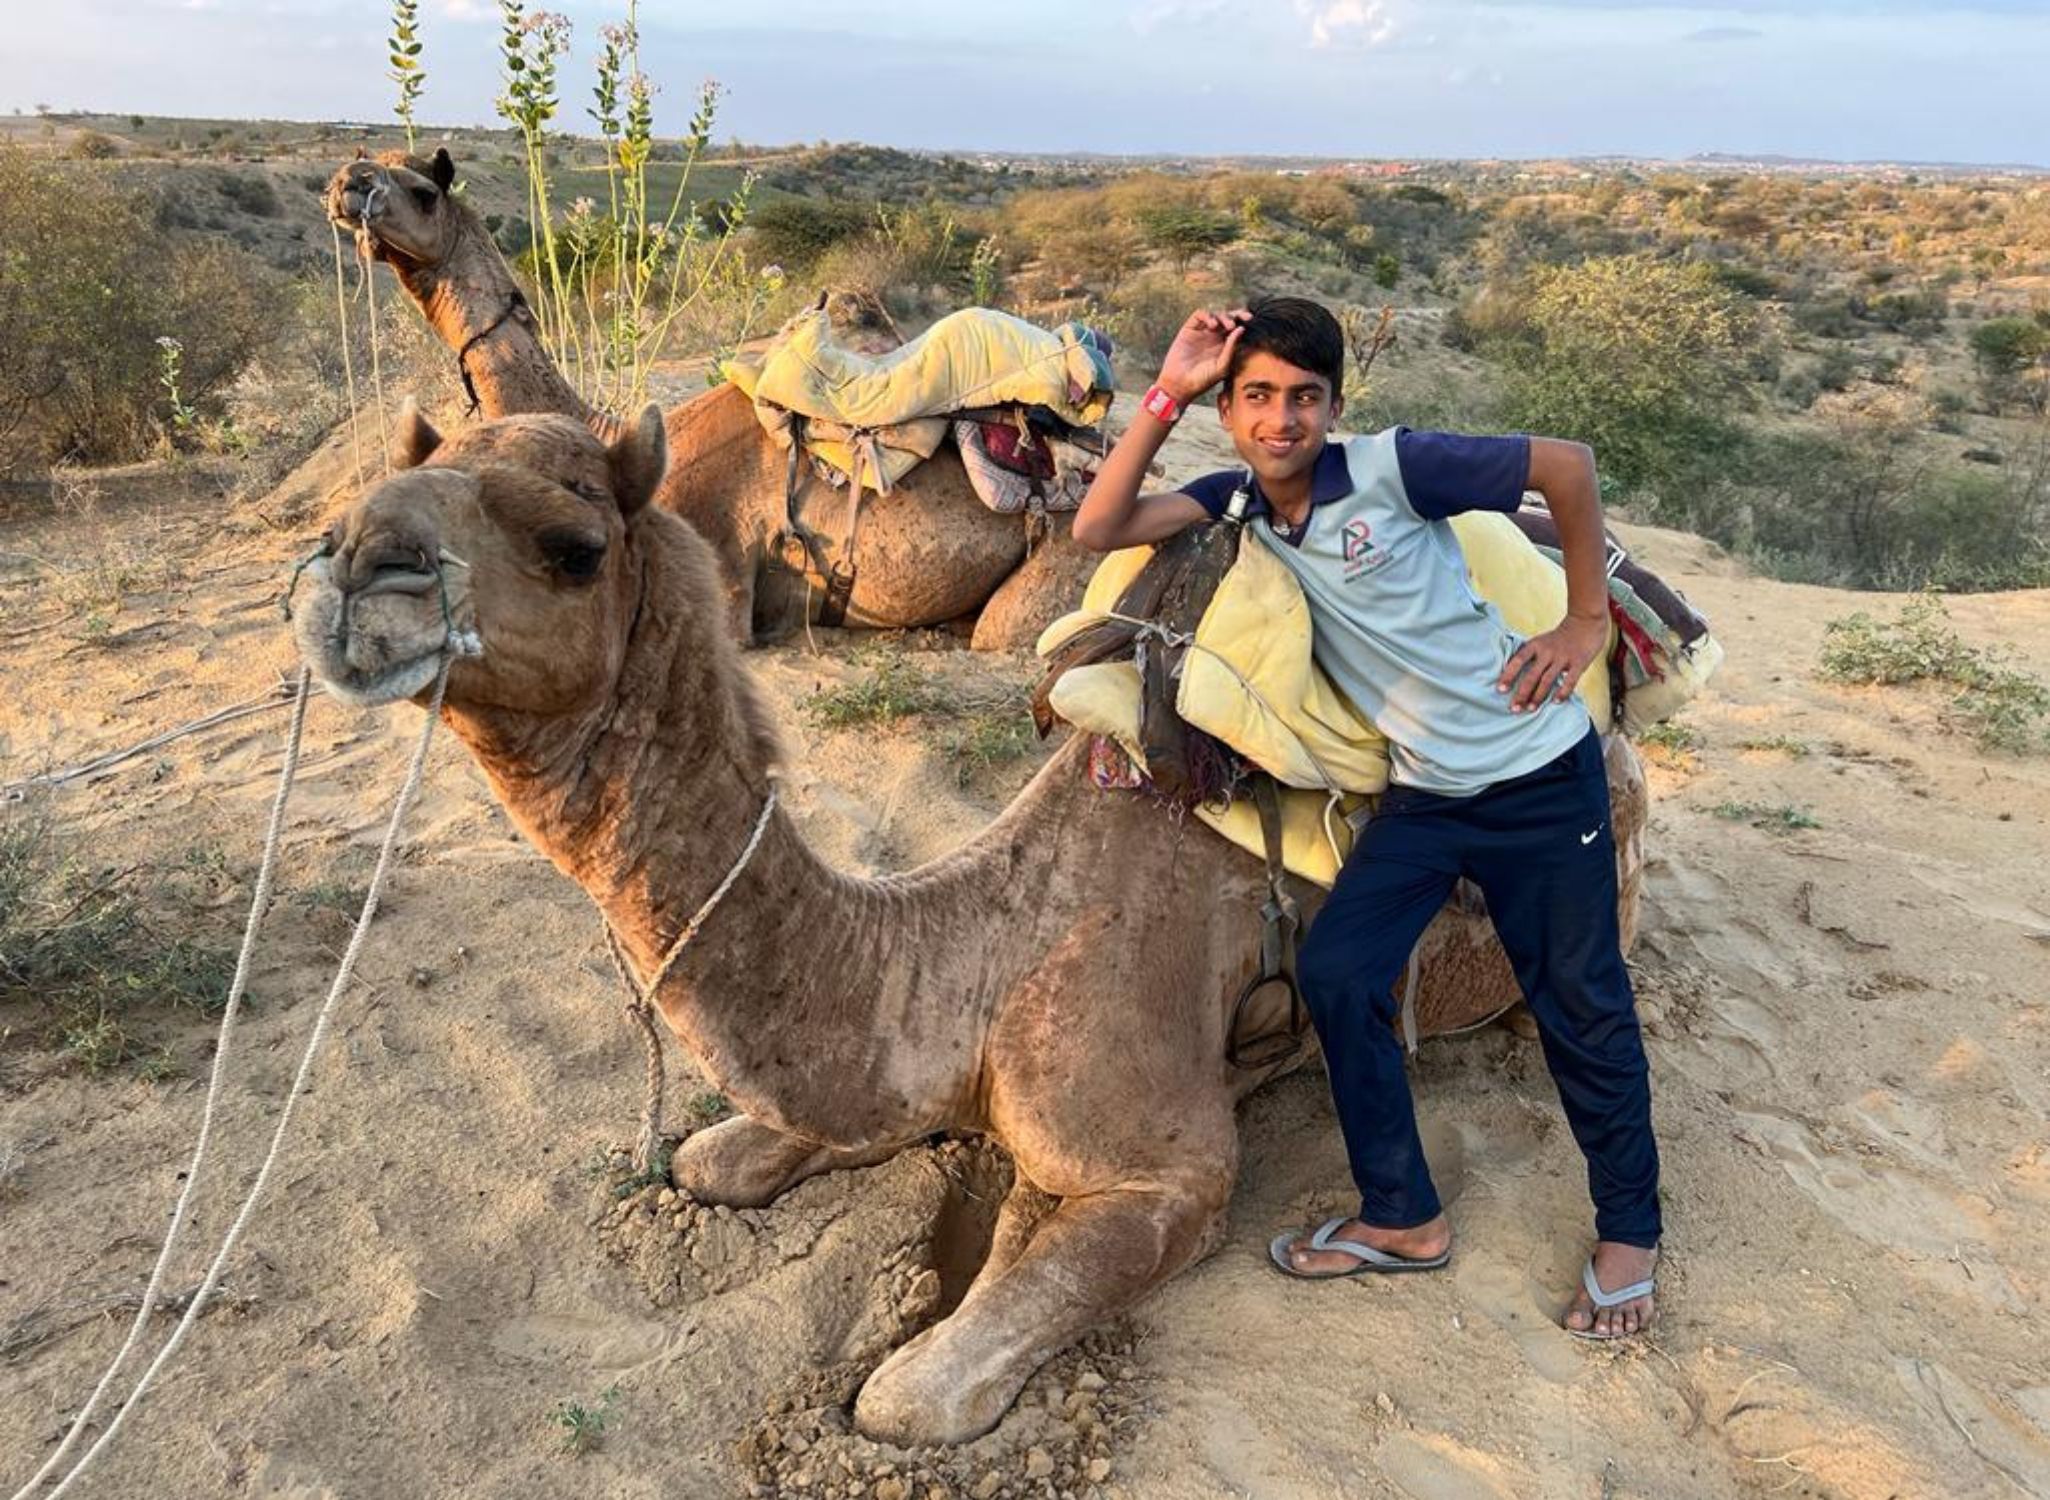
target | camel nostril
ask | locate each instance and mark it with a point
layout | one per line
(388, 565)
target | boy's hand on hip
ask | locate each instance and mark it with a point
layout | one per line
(1551, 664)
(1201, 353)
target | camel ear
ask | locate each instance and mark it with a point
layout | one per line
(443, 169)
(638, 459)
(415, 440)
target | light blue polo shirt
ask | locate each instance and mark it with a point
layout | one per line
(1398, 626)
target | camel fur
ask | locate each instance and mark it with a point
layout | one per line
(1061, 983)
(929, 553)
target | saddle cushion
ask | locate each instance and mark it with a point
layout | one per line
(975, 357)
(1103, 699)
(1251, 680)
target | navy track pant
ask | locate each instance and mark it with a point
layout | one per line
(1540, 848)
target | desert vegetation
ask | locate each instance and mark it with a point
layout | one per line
(1843, 379)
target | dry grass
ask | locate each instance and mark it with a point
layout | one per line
(99, 955)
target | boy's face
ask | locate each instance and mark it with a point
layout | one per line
(1278, 415)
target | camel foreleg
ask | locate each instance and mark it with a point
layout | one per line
(1090, 1259)
(1023, 1210)
(743, 1163)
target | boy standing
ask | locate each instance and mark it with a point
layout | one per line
(1495, 769)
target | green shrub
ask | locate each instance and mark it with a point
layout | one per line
(2007, 351)
(1184, 231)
(2004, 707)
(1750, 281)
(795, 232)
(88, 282)
(1917, 314)
(251, 193)
(1863, 508)
(1149, 309)
(90, 145)
(100, 953)
(889, 688)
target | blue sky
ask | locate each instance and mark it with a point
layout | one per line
(1851, 79)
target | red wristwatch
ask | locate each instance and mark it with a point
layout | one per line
(1159, 402)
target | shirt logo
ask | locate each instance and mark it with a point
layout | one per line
(1360, 556)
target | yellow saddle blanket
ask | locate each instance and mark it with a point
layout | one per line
(1250, 680)
(893, 407)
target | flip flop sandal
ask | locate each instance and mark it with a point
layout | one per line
(1380, 1262)
(1604, 1300)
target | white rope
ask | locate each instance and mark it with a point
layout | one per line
(320, 1026)
(368, 268)
(641, 1008)
(258, 905)
(279, 697)
(348, 359)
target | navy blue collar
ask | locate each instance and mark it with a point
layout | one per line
(1330, 480)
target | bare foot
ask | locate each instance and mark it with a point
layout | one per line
(1614, 1266)
(1425, 1241)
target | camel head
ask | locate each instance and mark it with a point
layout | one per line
(513, 536)
(405, 204)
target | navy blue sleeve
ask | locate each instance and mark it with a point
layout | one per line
(1448, 473)
(1214, 491)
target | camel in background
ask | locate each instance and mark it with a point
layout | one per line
(929, 553)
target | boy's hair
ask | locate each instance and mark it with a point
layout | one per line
(1297, 330)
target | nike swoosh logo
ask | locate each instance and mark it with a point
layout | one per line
(1588, 837)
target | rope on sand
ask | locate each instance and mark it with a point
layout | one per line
(279, 697)
(258, 905)
(343, 975)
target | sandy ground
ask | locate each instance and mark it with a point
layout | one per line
(1848, 1029)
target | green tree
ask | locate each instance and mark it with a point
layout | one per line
(2007, 351)
(1184, 231)
(1639, 358)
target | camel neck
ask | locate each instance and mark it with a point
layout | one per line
(648, 802)
(476, 308)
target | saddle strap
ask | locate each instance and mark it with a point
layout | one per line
(838, 577)
(1281, 922)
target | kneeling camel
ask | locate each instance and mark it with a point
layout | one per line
(1050, 983)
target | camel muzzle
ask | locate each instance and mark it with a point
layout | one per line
(378, 613)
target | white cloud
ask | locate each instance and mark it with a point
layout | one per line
(1154, 14)
(1361, 23)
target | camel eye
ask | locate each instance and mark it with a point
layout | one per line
(573, 554)
(425, 198)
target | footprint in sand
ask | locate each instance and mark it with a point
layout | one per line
(1990, 1428)
(1884, 1204)
(1516, 1304)
(1429, 1466)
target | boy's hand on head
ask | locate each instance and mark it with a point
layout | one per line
(1201, 353)
(1551, 664)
